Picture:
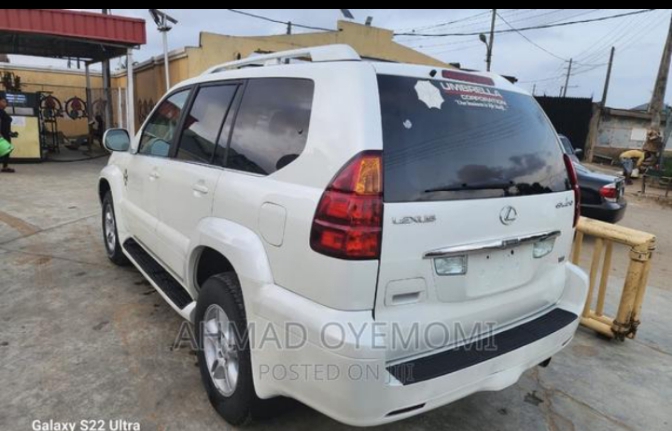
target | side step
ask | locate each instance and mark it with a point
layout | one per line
(459, 358)
(166, 282)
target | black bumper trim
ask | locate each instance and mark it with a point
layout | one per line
(484, 349)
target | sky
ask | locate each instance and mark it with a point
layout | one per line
(541, 58)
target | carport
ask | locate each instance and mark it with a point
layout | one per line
(90, 37)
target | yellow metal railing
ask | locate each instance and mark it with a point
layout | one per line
(642, 245)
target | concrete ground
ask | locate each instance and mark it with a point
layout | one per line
(83, 339)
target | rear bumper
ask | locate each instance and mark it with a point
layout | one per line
(347, 378)
(610, 212)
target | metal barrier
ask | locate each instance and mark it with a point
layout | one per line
(641, 245)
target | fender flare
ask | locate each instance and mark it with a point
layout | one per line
(115, 178)
(237, 243)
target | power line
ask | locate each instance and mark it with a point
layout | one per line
(470, 26)
(606, 40)
(478, 24)
(633, 32)
(553, 78)
(537, 27)
(445, 24)
(599, 51)
(572, 16)
(473, 45)
(276, 21)
(530, 40)
(630, 43)
(533, 18)
(444, 44)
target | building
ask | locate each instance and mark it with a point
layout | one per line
(65, 84)
(622, 129)
(601, 133)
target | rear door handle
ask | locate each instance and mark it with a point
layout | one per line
(200, 188)
(154, 175)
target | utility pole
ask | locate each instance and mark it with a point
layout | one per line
(163, 21)
(657, 99)
(598, 109)
(492, 39)
(534, 90)
(289, 27)
(657, 103)
(606, 82)
(569, 72)
(666, 136)
(107, 83)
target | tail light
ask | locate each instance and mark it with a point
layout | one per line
(574, 184)
(609, 192)
(349, 217)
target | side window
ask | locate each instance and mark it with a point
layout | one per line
(272, 125)
(204, 122)
(223, 141)
(160, 129)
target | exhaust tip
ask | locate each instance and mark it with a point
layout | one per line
(545, 363)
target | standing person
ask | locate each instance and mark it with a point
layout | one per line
(6, 133)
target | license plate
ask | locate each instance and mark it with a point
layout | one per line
(500, 270)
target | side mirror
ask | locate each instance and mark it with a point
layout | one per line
(117, 140)
(578, 153)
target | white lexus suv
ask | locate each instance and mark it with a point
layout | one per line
(372, 239)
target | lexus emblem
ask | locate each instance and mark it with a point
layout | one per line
(508, 215)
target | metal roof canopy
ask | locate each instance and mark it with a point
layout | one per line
(60, 33)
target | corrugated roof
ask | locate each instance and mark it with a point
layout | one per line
(66, 33)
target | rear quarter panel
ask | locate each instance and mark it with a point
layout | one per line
(345, 120)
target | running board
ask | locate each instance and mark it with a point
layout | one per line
(161, 278)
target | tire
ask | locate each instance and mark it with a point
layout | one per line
(234, 399)
(241, 406)
(110, 234)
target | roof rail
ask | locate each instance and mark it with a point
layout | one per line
(338, 52)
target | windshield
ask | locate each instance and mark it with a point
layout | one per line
(444, 140)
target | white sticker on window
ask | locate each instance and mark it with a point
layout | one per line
(475, 96)
(429, 94)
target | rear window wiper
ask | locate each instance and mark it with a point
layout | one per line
(501, 185)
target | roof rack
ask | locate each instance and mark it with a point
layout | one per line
(339, 52)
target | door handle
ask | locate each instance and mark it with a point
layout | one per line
(154, 175)
(200, 188)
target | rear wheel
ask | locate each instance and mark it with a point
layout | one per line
(110, 234)
(224, 357)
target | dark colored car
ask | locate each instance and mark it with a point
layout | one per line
(602, 195)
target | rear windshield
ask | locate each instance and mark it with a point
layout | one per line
(445, 140)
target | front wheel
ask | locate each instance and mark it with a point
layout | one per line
(110, 234)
